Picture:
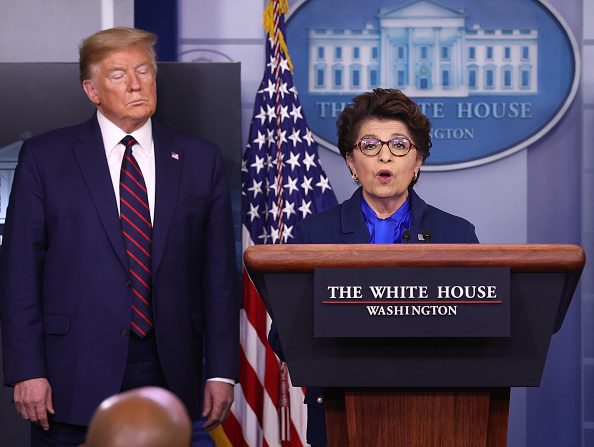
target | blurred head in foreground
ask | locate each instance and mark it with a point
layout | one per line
(143, 417)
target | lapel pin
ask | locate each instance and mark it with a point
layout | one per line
(424, 236)
(175, 155)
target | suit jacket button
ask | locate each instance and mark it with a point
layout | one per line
(128, 283)
(320, 400)
(125, 332)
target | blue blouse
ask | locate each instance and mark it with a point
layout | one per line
(388, 230)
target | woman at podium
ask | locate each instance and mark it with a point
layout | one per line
(384, 138)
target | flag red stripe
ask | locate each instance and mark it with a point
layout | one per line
(295, 440)
(254, 308)
(272, 377)
(252, 388)
(233, 432)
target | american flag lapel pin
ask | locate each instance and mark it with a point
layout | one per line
(175, 155)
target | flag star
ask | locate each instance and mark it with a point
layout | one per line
(270, 137)
(308, 137)
(289, 209)
(292, 184)
(269, 162)
(295, 113)
(283, 113)
(274, 235)
(273, 211)
(304, 208)
(282, 159)
(308, 161)
(256, 187)
(294, 137)
(283, 90)
(258, 164)
(284, 65)
(270, 113)
(244, 165)
(242, 189)
(283, 136)
(274, 187)
(261, 115)
(260, 140)
(323, 183)
(287, 233)
(253, 212)
(293, 160)
(306, 185)
(271, 89)
(264, 236)
(272, 63)
(294, 91)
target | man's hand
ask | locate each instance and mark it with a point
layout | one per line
(218, 397)
(33, 400)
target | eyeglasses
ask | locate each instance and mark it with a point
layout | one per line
(398, 146)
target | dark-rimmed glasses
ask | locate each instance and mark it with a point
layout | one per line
(398, 146)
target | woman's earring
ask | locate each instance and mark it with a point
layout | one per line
(415, 176)
(355, 178)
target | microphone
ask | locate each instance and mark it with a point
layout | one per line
(405, 236)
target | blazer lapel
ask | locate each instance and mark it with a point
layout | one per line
(168, 164)
(354, 230)
(90, 155)
(419, 207)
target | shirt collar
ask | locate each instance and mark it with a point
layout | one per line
(112, 134)
(392, 227)
(396, 216)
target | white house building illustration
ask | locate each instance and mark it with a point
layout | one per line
(425, 49)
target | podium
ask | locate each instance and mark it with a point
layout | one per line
(418, 392)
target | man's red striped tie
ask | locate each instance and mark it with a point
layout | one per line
(137, 231)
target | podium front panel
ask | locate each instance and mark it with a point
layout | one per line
(413, 362)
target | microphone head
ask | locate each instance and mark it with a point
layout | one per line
(405, 236)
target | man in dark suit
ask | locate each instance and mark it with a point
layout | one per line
(117, 266)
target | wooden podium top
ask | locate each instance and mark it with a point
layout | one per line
(518, 257)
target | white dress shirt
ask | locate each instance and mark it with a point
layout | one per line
(144, 153)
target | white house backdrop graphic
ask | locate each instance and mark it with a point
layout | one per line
(425, 49)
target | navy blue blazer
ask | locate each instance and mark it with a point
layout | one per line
(65, 300)
(345, 224)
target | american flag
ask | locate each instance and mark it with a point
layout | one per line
(282, 183)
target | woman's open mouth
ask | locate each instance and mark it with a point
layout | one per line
(384, 176)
